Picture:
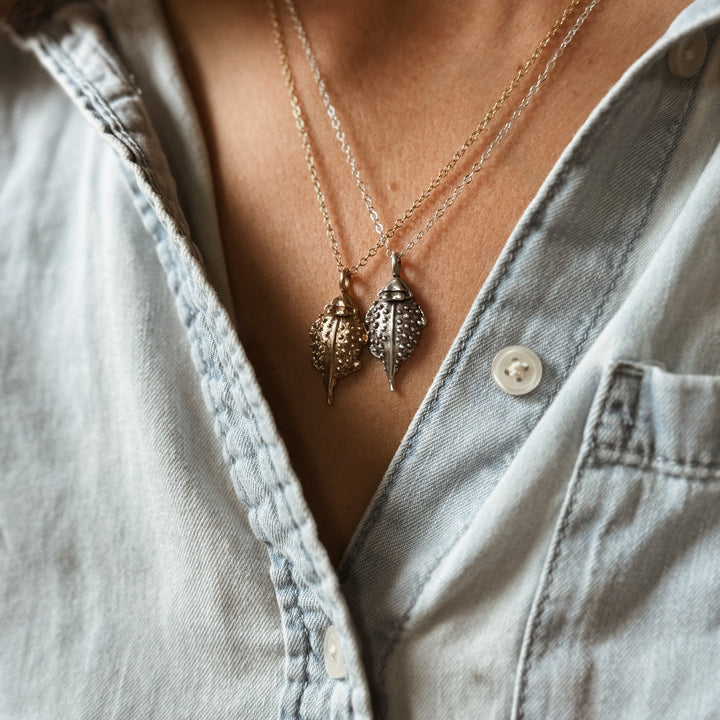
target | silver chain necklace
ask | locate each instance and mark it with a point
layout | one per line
(394, 320)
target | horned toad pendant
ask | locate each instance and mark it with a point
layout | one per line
(394, 322)
(337, 338)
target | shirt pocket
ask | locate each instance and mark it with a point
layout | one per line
(626, 621)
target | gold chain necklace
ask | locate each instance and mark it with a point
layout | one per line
(394, 320)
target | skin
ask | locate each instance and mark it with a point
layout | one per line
(410, 80)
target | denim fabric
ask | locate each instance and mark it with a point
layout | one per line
(545, 556)
(129, 576)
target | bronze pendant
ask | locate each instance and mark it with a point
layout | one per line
(394, 322)
(337, 338)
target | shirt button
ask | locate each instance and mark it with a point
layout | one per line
(517, 370)
(687, 57)
(334, 663)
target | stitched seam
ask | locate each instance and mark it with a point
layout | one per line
(304, 683)
(654, 461)
(89, 92)
(657, 461)
(556, 551)
(628, 369)
(94, 102)
(673, 135)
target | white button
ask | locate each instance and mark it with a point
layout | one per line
(334, 663)
(517, 370)
(687, 57)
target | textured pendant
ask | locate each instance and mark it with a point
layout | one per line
(394, 322)
(337, 338)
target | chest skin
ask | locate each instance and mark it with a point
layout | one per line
(408, 91)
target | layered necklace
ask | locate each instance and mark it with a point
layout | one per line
(393, 323)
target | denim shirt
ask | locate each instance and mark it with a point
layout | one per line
(550, 555)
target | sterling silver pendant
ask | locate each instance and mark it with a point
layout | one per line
(394, 322)
(337, 338)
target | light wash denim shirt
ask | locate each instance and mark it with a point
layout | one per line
(548, 556)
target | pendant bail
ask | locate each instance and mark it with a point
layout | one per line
(396, 262)
(345, 279)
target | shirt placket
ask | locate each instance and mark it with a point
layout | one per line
(324, 675)
(564, 272)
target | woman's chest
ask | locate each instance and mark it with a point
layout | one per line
(281, 261)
